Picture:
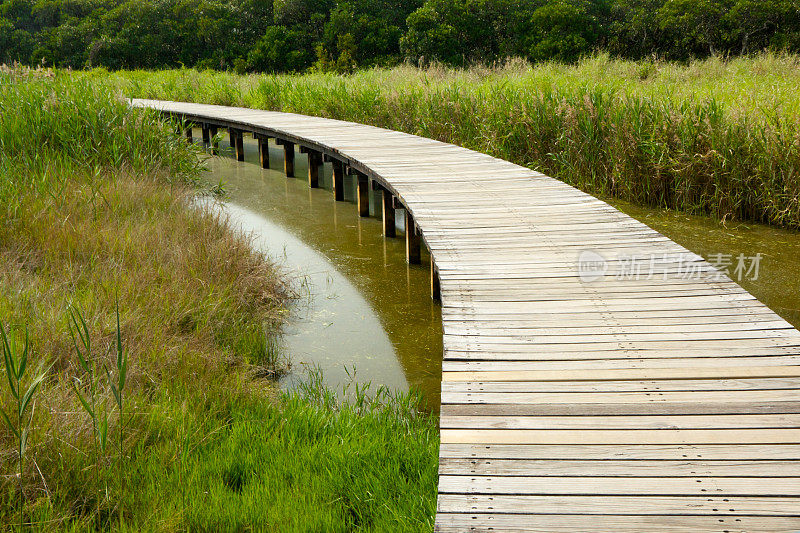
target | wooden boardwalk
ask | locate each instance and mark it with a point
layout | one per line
(596, 375)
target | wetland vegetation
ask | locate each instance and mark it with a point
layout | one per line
(714, 137)
(178, 430)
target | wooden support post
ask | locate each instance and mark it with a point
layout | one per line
(206, 135)
(212, 130)
(338, 180)
(412, 240)
(288, 159)
(388, 214)
(363, 195)
(237, 142)
(188, 130)
(263, 150)
(436, 291)
(314, 164)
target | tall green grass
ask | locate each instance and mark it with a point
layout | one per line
(718, 137)
(183, 432)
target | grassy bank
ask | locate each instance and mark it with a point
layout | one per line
(95, 214)
(712, 137)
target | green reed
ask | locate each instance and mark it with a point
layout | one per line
(717, 137)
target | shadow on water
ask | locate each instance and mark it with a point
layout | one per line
(361, 304)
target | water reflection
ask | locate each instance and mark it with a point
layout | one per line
(367, 306)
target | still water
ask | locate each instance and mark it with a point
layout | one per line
(363, 307)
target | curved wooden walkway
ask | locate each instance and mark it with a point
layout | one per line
(572, 401)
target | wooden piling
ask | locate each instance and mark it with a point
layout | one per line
(338, 180)
(188, 131)
(237, 142)
(363, 195)
(436, 291)
(240, 147)
(206, 135)
(288, 159)
(314, 164)
(388, 214)
(412, 240)
(263, 150)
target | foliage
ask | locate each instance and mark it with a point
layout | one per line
(19, 423)
(719, 137)
(297, 35)
(183, 434)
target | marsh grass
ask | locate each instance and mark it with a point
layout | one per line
(98, 215)
(19, 423)
(718, 137)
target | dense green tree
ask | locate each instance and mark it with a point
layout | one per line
(633, 29)
(567, 29)
(293, 35)
(758, 24)
(453, 31)
(281, 49)
(363, 33)
(695, 26)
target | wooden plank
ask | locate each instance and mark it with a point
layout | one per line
(757, 469)
(624, 437)
(628, 505)
(644, 397)
(612, 485)
(487, 408)
(638, 452)
(667, 420)
(565, 523)
(678, 374)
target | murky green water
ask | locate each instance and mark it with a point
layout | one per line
(778, 281)
(361, 304)
(363, 307)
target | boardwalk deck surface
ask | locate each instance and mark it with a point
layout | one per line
(639, 391)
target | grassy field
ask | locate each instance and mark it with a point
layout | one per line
(717, 137)
(96, 215)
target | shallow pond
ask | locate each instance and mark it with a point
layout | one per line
(363, 307)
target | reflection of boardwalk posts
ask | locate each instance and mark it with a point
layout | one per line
(577, 396)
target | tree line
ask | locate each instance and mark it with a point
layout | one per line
(297, 35)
